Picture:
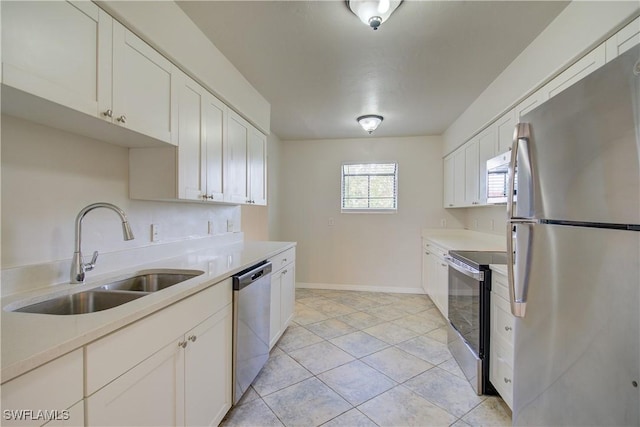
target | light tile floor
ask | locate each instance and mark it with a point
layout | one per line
(364, 359)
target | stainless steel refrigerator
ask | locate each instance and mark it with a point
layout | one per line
(575, 279)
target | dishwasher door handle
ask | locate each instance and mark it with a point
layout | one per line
(250, 275)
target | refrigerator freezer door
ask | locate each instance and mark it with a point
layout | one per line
(583, 150)
(577, 350)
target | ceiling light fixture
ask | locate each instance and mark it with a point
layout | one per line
(370, 122)
(373, 12)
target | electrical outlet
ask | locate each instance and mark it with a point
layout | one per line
(210, 227)
(492, 225)
(331, 222)
(155, 232)
(443, 223)
(230, 226)
(475, 224)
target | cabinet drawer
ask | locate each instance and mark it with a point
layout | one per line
(500, 285)
(436, 250)
(502, 373)
(115, 354)
(283, 258)
(55, 386)
(502, 320)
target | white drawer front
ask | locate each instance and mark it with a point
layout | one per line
(502, 373)
(433, 248)
(500, 285)
(283, 258)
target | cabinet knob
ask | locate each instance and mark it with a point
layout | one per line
(427, 253)
(507, 380)
(183, 344)
(122, 119)
(444, 265)
(450, 204)
(192, 338)
(108, 113)
(211, 197)
(508, 328)
(284, 272)
(284, 260)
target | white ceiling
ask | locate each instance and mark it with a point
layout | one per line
(320, 67)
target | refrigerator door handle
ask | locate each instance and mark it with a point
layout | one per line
(521, 133)
(518, 297)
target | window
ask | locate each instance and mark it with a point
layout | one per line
(370, 187)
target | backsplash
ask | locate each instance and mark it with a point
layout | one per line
(49, 175)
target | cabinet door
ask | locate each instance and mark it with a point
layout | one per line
(531, 102)
(208, 370)
(53, 50)
(191, 149)
(505, 126)
(257, 167)
(459, 178)
(449, 181)
(471, 187)
(582, 68)
(623, 40)
(144, 93)
(426, 260)
(442, 286)
(57, 385)
(236, 186)
(150, 394)
(487, 143)
(213, 118)
(275, 325)
(287, 295)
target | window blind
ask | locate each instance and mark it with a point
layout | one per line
(370, 187)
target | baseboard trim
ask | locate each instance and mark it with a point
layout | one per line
(361, 288)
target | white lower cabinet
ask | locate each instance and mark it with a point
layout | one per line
(171, 368)
(435, 277)
(501, 356)
(283, 294)
(50, 393)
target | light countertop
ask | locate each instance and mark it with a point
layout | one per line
(465, 240)
(30, 340)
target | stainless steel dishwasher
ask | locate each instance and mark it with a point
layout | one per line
(251, 319)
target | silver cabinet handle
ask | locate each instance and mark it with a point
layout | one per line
(183, 344)
(427, 253)
(108, 113)
(122, 119)
(507, 380)
(444, 265)
(285, 272)
(192, 338)
(508, 328)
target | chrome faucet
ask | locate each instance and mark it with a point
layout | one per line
(78, 266)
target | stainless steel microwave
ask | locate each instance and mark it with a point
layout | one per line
(498, 179)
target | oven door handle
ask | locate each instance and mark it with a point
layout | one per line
(467, 271)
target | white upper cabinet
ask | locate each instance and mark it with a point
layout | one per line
(245, 162)
(235, 149)
(54, 50)
(449, 181)
(144, 92)
(459, 177)
(66, 58)
(623, 40)
(487, 144)
(505, 127)
(471, 180)
(528, 104)
(257, 167)
(194, 169)
(579, 70)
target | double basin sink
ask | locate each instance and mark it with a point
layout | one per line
(111, 294)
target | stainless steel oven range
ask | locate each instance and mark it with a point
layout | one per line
(469, 313)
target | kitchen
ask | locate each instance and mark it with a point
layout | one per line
(302, 202)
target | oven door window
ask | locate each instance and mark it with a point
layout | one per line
(464, 307)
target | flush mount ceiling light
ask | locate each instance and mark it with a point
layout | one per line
(370, 122)
(373, 12)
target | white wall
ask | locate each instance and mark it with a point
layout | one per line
(578, 29)
(486, 219)
(380, 251)
(49, 175)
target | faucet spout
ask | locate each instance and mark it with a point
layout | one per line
(78, 266)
